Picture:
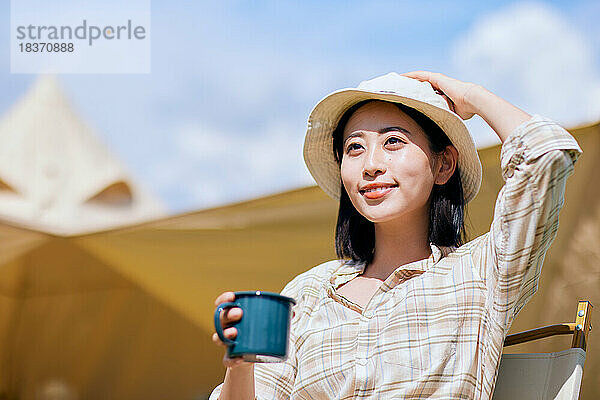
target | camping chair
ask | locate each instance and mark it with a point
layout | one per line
(545, 375)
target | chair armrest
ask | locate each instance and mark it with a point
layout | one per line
(539, 333)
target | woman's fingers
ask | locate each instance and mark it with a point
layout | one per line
(231, 315)
(216, 340)
(228, 315)
(445, 84)
(225, 297)
(420, 75)
(435, 78)
(229, 333)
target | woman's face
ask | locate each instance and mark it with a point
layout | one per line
(387, 167)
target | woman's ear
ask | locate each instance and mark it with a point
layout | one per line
(446, 165)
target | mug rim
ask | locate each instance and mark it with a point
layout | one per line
(263, 293)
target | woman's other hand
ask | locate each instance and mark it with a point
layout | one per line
(228, 316)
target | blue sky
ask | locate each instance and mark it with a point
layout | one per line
(222, 115)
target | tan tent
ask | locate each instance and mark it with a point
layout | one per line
(127, 313)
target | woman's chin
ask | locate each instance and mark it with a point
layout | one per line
(400, 213)
(381, 217)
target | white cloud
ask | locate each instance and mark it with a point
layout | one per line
(534, 57)
(214, 166)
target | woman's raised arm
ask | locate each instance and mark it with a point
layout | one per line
(537, 157)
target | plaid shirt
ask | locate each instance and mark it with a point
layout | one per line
(435, 328)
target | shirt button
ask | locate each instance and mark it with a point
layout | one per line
(361, 361)
(510, 171)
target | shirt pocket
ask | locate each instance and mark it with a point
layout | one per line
(413, 346)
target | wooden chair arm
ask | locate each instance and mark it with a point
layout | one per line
(539, 333)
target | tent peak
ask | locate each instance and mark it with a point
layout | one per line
(60, 173)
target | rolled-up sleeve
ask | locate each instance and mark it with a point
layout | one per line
(536, 160)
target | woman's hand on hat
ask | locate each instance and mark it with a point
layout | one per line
(454, 91)
(469, 99)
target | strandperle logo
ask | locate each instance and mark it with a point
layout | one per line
(84, 31)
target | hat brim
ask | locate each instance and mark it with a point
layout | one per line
(318, 144)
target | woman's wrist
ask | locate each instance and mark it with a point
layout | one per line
(501, 116)
(243, 368)
(475, 97)
(239, 383)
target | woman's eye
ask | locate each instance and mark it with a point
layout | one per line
(353, 146)
(394, 140)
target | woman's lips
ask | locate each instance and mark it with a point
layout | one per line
(377, 193)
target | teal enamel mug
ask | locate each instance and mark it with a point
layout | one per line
(264, 330)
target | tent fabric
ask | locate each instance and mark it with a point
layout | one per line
(55, 174)
(127, 312)
(124, 313)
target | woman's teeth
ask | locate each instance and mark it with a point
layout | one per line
(379, 189)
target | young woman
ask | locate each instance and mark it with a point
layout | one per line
(409, 311)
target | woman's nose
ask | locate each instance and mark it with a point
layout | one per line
(374, 162)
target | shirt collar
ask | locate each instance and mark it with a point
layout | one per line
(349, 269)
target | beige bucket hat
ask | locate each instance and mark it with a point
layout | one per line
(393, 87)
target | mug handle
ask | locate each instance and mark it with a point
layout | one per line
(218, 327)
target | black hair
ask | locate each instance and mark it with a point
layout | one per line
(355, 235)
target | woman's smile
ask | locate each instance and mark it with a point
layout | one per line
(377, 191)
